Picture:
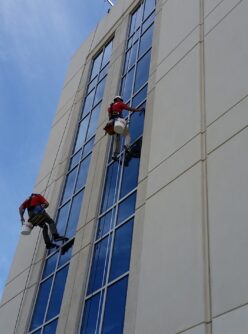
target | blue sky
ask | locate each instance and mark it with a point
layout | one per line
(37, 40)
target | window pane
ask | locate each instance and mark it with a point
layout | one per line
(99, 91)
(115, 308)
(51, 328)
(93, 121)
(142, 72)
(88, 103)
(37, 332)
(136, 125)
(69, 185)
(148, 22)
(96, 66)
(126, 208)
(83, 172)
(41, 303)
(149, 7)
(62, 218)
(103, 72)
(107, 54)
(110, 191)
(99, 265)
(82, 133)
(92, 311)
(146, 41)
(140, 97)
(88, 147)
(50, 265)
(133, 54)
(127, 85)
(74, 215)
(75, 159)
(65, 254)
(92, 85)
(57, 293)
(130, 176)
(105, 223)
(122, 250)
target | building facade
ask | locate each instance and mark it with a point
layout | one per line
(157, 244)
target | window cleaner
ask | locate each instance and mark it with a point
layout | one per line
(38, 216)
(117, 125)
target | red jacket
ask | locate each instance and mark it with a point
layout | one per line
(115, 110)
(33, 200)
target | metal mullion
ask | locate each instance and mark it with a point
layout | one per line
(48, 322)
(50, 293)
(94, 293)
(125, 221)
(117, 279)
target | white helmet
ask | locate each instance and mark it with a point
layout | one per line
(118, 97)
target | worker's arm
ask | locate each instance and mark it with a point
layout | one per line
(134, 109)
(21, 211)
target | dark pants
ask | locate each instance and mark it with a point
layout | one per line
(42, 220)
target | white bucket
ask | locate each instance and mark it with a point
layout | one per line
(26, 228)
(120, 125)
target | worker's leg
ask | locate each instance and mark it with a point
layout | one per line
(53, 229)
(126, 133)
(46, 235)
(116, 147)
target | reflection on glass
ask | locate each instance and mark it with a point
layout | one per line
(50, 265)
(74, 214)
(83, 172)
(149, 7)
(139, 97)
(130, 176)
(92, 309)
(96, 66)
(88, 103)
(99, 92)
(82, 133)
(147, 23)
(57, 293)
(62, 218)
(93, 121)
(121, 251)
(146, 41)
(109, 195)
(99, 265)
(92, 85)
(126, 208)
(105, 223)
(103, 72)
(107, 54)
(115, 308)
(142, 72)
(75, 159)
(88, 147)
(51, 328)
(41, 303)
(69, 185)
(136, 125)
(127, 85)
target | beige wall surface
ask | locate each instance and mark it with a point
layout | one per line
(188, 269)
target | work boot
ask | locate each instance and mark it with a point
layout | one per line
(51, 245)
(57, 237)
(115, 157)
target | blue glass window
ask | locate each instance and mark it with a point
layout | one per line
(51, 327)
(74, 214)
(148, 22)
(88, 104)
(91, 319)
(50, 265)
(110, 192)
(62, 218)
(93, 121)
(127, 85)
(146, 41)
(65, 254)
(99, 91)
(57, 293)
(115, 308)
(139, 97)
(105, 223)
(69, 184)
(96, 66)
(82, 133)
(142, 72)
(83, 172)
(99, 265)
(130, 177)
(126, 208)
(75, 159)
(122, 250)
(41, 303)
(107, 54)
(149, 7)
(88, 147)
(136, 125)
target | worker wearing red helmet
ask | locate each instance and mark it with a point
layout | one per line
(115, 111)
